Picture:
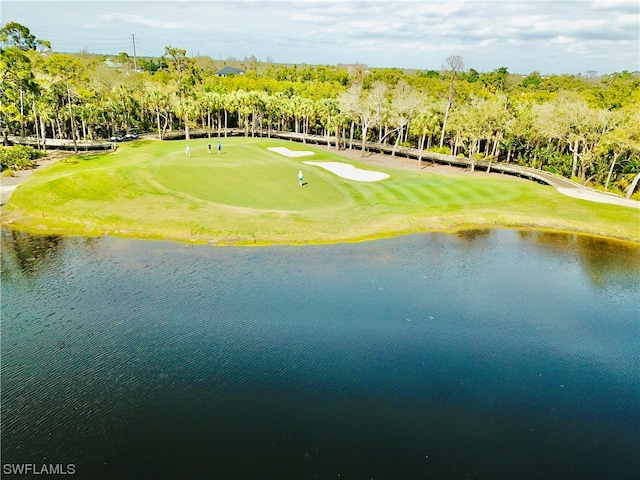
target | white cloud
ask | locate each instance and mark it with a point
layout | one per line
(566, 36)
(144, 21)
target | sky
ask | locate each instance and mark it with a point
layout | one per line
(550, 37)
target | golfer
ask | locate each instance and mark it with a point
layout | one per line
(300, 177)
(219, 147)
(188, 151)
(209, 148)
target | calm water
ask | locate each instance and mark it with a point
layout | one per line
(492, 354)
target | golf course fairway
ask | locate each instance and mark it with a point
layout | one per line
(247, 194)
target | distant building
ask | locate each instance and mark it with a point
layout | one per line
(227, 71)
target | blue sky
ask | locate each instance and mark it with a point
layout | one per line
(571, 36)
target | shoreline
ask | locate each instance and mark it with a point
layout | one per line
(246, 241)
(9, 184)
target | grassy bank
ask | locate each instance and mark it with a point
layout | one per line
(248, 194)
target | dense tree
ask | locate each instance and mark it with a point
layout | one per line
(577, 126)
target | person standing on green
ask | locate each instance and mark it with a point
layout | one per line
(300, 177)
(219, 148)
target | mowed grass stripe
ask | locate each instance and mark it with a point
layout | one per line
(491, 191)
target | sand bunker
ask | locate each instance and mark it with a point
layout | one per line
(350, 172)
(290, 153)
(600, 197)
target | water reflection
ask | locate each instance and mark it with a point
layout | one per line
(28, 255)
(602, 260)
(474, 235)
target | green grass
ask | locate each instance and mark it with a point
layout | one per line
(247, 194)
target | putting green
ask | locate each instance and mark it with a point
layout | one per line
(247, 175)
(248, 194)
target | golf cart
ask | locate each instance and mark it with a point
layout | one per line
(119, 136)
(132, 134)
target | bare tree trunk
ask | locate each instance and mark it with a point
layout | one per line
(395, 145)
(35, 123)
(73, 126)
(158, 123)
(494, 152)
(21, 112)
(633, 185)
(472, 157)
(164, 128)
(305, 128)
(364, 138)
(444, 123)
(43, 131)
(351, 135)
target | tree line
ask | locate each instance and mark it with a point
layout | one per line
(581, 127)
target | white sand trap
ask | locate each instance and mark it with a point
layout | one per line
(290, 153)
(350, 172)
(600, 197)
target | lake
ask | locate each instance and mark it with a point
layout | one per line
(490, 354)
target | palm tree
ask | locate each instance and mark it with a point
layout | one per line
(425, 124)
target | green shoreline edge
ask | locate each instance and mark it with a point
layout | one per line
(18, 217)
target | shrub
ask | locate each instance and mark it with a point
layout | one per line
(445, 150)
(18, 157)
